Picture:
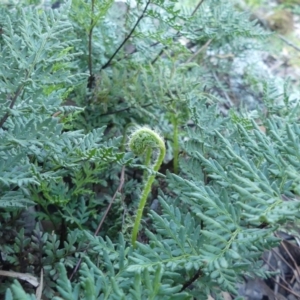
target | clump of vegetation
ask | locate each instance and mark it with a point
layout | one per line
(73, 80)
(281, 21)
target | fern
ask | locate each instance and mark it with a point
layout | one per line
(72, 81)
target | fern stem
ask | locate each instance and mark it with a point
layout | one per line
(145, 139)
(175, 144)
(147, 160)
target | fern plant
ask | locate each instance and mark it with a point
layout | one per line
(72, 80)
(215, 223)
(44, 165)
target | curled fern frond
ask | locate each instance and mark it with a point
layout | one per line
(145, 140)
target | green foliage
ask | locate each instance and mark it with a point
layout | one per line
(72, 81)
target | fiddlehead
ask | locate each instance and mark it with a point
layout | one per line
(144, 140)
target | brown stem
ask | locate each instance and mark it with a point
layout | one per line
(13, 101)
(122, 179)
(129, 35)
(191, 280)
(90, 46)
(197, 7)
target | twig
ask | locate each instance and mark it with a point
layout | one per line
(177, 34)
(130, 107)
(112, 200)
(273, 269)
(122, 178)
(282, 258)
(136, 50)
(128, 36)
(197, 7)
(191, 280)
(90, 61)
(13, 101)
(288, 42)
(124, 109)
(289, 288)
(90, 45)
(293, 260)
(222, 89)
(199, 50)
(158, 55)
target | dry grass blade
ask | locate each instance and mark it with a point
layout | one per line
(39, 290)
(23, 276)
